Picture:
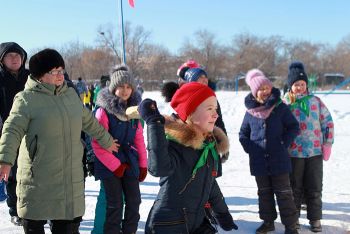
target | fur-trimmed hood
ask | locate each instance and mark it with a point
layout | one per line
(115, 105)
(191, 136)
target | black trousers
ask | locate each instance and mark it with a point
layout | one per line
(58, 226)
(307, 177)
(11, 191)
(115, 188)
(278, 185)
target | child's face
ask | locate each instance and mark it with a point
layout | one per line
(263, 93)
(123, 91)
(299, 87)
(205, 115)
(203, 80)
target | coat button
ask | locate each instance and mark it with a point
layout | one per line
(266, 155)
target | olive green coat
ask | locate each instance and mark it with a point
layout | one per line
(45, 123)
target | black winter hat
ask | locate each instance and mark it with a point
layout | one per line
(296, 72)
(44, 61)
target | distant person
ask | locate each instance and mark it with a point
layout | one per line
(140, 89)
(45, 123)
(183, 68)
(268, 128)
(183, 151)
(311, 146)
(81, 87)
(86, 99)
(13, 77)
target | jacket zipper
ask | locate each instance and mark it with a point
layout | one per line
(188, 182)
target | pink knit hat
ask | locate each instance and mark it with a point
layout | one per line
(255, 79)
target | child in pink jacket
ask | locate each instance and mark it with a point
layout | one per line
(121, 172)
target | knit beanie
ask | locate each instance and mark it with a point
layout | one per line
(255, 79)
(296, 72)
(185, 66)
(121, 75)
(193, 74)
(44, 61)
(188, 97)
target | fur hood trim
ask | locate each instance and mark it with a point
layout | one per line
(115, 105)
(191, 136)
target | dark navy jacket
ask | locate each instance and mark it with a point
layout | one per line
(266, 140)
(179, 206)
(124, 132)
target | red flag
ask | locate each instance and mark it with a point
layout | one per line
(132, 3)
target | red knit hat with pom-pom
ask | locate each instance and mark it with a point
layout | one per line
(188, 97)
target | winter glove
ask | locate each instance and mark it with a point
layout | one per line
(119, 172)
(149, 112)
(143, 174)
(326, 151)
(224, 157)
(225, 221)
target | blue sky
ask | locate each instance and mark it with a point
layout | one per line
(42, 23)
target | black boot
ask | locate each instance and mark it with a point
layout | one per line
(315, 226)
(75, 228)
(265, 227)
(291, 229)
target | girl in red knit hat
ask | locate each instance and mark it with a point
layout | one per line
(183, 152)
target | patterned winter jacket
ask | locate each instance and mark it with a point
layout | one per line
(316, 126)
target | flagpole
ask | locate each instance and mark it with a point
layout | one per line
(122, 38)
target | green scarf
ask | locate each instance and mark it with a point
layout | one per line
(204, 156)
(302, 104)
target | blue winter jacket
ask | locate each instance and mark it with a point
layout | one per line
(267, 140)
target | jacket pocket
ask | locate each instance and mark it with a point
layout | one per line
(33, 148)
(171, 226)
(170, 221)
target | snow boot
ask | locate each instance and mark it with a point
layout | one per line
(265, 227)
(315, 226)
(291, 229)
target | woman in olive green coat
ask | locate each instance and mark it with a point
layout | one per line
(45, 123)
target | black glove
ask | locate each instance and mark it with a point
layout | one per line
(149, 112)
(225, 221)
(224, 157)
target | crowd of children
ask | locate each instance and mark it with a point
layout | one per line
(287, 139)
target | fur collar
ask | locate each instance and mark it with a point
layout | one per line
(191, 136)
(116, 106)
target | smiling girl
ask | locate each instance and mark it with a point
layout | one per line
(183, 152)
(267, 130)
(311, 146)
(121, 172)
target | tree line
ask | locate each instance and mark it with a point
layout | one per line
(153, 63)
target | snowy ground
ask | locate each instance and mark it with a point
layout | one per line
(238, 186)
